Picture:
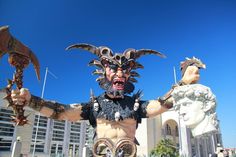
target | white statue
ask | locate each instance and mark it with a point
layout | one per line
(197, 106)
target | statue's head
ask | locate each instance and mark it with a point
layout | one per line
(195, 103)
(116, 71)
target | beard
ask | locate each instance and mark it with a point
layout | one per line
(116, 93)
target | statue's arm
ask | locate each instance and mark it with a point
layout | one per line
(165, 102)
(56, 110)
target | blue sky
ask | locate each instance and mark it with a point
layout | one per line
(184, 28)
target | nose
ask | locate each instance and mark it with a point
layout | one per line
(182, 110)
(119, 72)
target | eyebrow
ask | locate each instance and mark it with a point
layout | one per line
(183, 103)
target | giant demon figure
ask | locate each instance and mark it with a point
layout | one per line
(114, 114)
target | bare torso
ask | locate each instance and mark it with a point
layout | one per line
(116, 130)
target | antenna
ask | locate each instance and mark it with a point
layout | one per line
(42, 95)
(91, 95)
(174, 75)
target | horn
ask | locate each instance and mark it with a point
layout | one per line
(105, 52)
(88, 47)
(100, 78)
(129, 53)
(96, 63)
(142, 52)
(137, 66)
(102, 142)
(128, 146)
(98, 72)
(131, 79)
(9, 44)
(134, 74)
(35, 62)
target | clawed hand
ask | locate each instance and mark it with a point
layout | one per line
(191, 75)
(21, 97)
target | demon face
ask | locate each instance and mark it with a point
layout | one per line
(117, 78)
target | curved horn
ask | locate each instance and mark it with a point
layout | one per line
(102, 142)
(105, 52)
(87, 47)
(98, 72)
(137, 65)
(129, 53)
(2, 54)
(131, 79)
(126, 144)
(96, 63)
(134, 74)
(36, 64)
(9, 44)
(142, 52)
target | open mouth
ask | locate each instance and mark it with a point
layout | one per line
(185, 118)
(118, 83)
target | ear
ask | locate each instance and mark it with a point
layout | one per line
(208, 106)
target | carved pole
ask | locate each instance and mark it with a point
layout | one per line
(19, 62)
(19, 56)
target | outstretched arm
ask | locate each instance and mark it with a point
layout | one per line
(155, 107)
(50, 109)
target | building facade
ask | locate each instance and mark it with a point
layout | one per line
(51, 138)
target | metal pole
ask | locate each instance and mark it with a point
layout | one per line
(175, 75)
(44, 82)
(16, 151)
(180, 138)
(42, 94)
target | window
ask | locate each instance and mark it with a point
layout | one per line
(6, 129)
(168, 130)
(40, 128)
(176, 130)
(75, 133)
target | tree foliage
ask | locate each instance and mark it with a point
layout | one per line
(165, 148)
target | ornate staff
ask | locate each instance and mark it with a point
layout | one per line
(19, 56)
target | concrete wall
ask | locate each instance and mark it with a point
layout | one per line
(148, 135)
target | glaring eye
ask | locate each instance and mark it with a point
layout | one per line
(113, 67)
(186, 104)
(104, 62)
(125, 66)
(112, 70)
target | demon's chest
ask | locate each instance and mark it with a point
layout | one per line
(115, 109)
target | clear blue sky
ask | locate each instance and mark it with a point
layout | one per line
(184, 28)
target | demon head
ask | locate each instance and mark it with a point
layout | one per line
(116, 71)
